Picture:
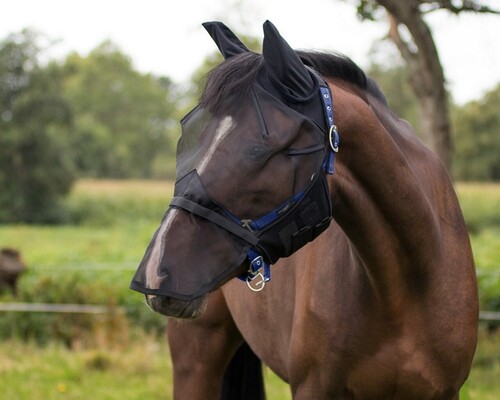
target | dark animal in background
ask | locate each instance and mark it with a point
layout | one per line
(11, 268)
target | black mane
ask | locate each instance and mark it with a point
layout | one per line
(335, 66)
(236, 74)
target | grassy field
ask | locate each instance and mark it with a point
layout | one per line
(31, 372)
(92, 261)
(142, 370)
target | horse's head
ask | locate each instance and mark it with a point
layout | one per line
(250, 186)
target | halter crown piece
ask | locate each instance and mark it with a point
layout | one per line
(294, 80)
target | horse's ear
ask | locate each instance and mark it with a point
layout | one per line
(227, 42)
(284, 64)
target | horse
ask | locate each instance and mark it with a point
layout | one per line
(294, 175)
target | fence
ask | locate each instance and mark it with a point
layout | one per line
(131, 266)
(60, 308)
(102, 309)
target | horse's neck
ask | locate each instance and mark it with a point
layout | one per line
(379, 197)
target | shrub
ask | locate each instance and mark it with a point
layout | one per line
(75, 329)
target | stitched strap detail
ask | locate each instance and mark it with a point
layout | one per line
(214, 217)
(333, 136)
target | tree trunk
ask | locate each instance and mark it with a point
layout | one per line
(426, 72)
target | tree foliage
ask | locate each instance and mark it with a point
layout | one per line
(370, 9)
(35, 162)
(476, 125)
(93, 116)
(477, 138)
(96, 116)
(123, 119)
(419, 51)
(391, 75)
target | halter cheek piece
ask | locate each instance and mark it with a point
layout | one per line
(333, 135)
(258, 267)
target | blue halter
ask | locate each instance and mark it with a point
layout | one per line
(258, 267)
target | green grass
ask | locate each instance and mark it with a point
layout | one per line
(480, 203)
(93, 259)
(483, 382)
(78, 246)
(30, 372)
(102, 203)
(139, 371)
(481, 207)
(142, 370)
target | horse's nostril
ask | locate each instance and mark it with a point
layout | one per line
(155, 302)
(164, 305)
(176, 308)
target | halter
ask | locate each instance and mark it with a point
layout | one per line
(258, 267)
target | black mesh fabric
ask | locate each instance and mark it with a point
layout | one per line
(257, 145)
(305, 221)
(197, 257)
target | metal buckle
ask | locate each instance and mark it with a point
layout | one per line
(333, 138)
(245, 223)
(257, 264)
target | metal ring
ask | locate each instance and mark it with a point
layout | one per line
(256, 286)
(333, 138)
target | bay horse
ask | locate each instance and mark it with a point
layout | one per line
(295, 159)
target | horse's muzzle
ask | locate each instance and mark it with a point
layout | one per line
(177, 308)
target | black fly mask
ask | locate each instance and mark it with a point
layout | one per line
(220, 219)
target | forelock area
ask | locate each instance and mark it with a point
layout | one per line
(234, 75)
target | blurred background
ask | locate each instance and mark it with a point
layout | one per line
(90, 98)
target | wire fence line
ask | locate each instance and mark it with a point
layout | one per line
(132, 266)
(489, 316)
(103, 309)
(482, 272)
(85, 266)
(62, 308)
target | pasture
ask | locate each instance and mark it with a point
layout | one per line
(123, 354)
